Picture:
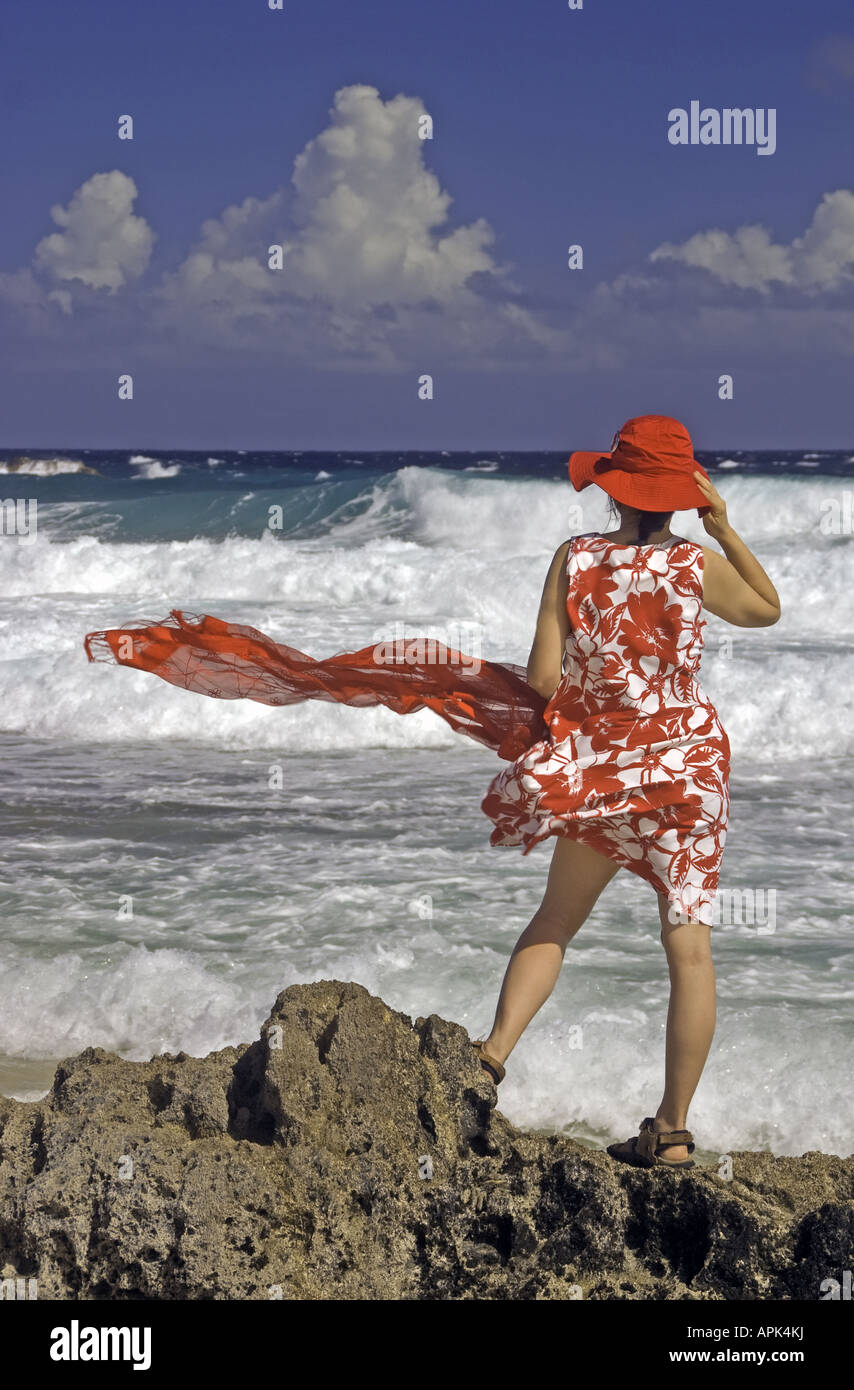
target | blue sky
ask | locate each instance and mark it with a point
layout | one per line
(443, 256)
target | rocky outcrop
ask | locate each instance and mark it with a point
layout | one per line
(349, 1154)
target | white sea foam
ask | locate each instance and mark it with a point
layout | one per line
(153, 468)
(223, 922)
(470, 553)
(45, 468)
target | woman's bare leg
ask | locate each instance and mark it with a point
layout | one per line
(576, 878)
(690, 1020)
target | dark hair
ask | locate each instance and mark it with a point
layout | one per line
(647, 521)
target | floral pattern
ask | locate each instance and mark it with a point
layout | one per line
(636, 762)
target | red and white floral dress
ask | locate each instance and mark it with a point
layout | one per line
(636, 763)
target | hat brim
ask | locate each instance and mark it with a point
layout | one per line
(633, 489)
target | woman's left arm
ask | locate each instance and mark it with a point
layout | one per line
(545, 664)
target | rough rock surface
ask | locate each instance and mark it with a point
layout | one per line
(299, 1167)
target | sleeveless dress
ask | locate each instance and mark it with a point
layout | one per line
(636, 762)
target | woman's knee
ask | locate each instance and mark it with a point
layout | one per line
(555, 922)
(687, 943)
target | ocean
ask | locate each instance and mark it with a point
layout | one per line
(171, 862)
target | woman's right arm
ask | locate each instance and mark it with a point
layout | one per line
(737, 588)
(545, 663)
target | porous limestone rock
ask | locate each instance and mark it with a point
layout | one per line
(349, 1154)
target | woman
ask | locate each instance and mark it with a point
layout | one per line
(613, 747)
(634, 770)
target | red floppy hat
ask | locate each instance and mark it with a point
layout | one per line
(650, 466)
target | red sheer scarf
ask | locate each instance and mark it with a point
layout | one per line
(488, 701)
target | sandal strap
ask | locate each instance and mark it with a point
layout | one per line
(491, 1063)
(675, 1136)
(649, 1143)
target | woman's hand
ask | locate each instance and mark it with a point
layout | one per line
(715, 521)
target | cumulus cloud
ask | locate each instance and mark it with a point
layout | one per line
(747, 258)
(824, 255)
(820, 260)
(371, 217)
(376, 275)
(371, 264)
(364, 225)
(228, 264)
(103, 243)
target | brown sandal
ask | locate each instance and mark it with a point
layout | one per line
(489, 1064)
(643, 1150)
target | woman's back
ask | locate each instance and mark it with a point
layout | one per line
(636, 607)
(634, 646)
(636, 761)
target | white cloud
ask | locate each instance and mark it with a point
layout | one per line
(21, 293)
(824, 255)
(376, 275)
(370, 216)
(103, 243)
(365, 223)
(371, 265)
(227, 268)
(820, 260)
(747, 258)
